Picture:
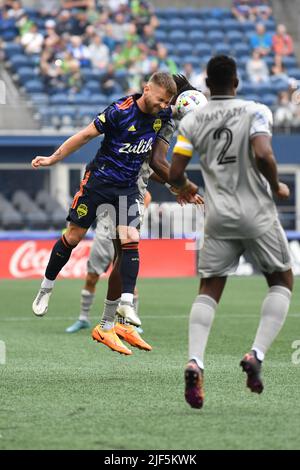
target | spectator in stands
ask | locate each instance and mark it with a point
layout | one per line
(99, 53)
(149, 39)
(120, 28)
(111, 83)
(243, 10)
(189, 72)
(263, 10)
(278, 72)
(32, 41)
(257, 69)
(65, 23)
(109, 38)
(282, 42)
(261, 40)
(16, 11)
(165, 63)
(79, 51)
(284, 114)
(78, 4)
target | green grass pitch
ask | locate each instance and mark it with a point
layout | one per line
(60, 391)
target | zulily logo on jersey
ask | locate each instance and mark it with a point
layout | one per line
(143, 146)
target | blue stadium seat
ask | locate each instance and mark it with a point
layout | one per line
(183, 50)
(289, 61)
(25, 74)
(221, 13)
(215, 37)
(177, 24)
(39, 99)
(268, 99)
(160, 35)
(191, 59)
(164, 25)
(234, 37)
(241, 49)
(222, 49)
(19, 60)
(98, 99)
(59, 99)
(12, 49)
(176, 35)
(195, 24)
(92, 86)
(230, 25)
(251, 97)
(212, 25)
(203, 49)
(248, 26)
(294, 73)
(195, 35)
(34, 86)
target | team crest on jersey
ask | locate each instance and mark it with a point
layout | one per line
(82, 210)
(102, 117)
(157, 125)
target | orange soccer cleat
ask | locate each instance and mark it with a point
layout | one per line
(110, 339)
(129, 334)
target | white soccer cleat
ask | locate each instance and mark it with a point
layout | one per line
(127, 311)
(40, 304)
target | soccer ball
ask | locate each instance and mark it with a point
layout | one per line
(187, 101)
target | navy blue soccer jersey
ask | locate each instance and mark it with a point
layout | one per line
(129, 135)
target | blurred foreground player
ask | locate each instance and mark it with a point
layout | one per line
(233, 137)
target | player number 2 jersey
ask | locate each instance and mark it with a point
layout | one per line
(239, 203)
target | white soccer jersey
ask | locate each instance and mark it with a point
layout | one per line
(239, 202)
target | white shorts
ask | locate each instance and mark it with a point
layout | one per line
(270, 252)
(102, 252)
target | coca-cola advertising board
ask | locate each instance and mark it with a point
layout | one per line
(27, 259)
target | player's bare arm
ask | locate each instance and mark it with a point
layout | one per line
(161, 168)
(266, 164)
(69, 146)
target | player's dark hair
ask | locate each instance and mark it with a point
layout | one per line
(221, 71)
(182, 84)
(164, 80)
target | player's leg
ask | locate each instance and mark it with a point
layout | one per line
(81, 216)
(271, 253)
(101, 256)
(112, 324)
(60, 255)
(218, 258)
(86, 302)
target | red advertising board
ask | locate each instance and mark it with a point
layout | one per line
(27, 259)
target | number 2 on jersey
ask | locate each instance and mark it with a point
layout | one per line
(222, 157)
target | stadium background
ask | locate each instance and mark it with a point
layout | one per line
(36, 115)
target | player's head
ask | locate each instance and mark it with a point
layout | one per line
(182, 84)
(158, 92)
(222, 75)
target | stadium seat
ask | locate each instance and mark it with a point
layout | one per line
(160, 35)
(12, 49)
(294, 73)
(211, 24)
(183, 50)
(215, 37)
(229, 24)
(222, 49)
(289, 61)
(26, 74)
(175, 36)
(268, 99)
(194, 36)
(241, 49)
(195, 24)
(235, 37)
(202, 49)
(33, 86)
(92, 86)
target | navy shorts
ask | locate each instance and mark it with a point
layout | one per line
(95, 197)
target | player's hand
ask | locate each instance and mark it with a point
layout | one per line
(190, 199)
(42, 161)
(283, 191)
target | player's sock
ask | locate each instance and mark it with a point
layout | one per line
(129, 268)
(86, 302)
(201, 319)
(136, 303)
(108, 316)
(47, 284)
(60, 255)
(273, 314)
